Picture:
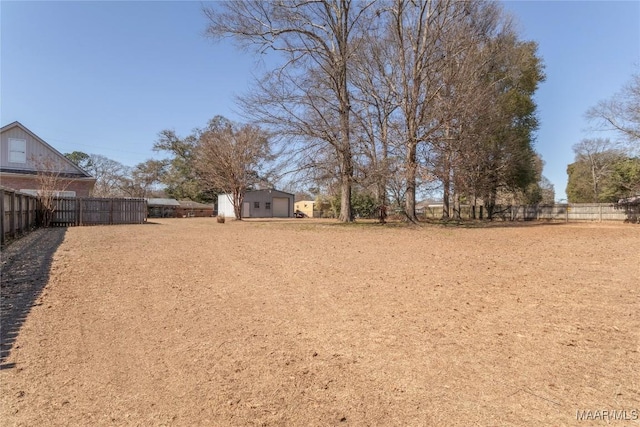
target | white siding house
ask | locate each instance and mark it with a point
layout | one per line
(259, 204)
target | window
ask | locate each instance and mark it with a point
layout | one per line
(267, 205)
(256, 205)
(17, 150)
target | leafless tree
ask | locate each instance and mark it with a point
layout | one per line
(109, 174)
(621, 113)
(375, 105)
(415, 29)
(229, 157)
(52, 182)
(308, 97)
(144, 178)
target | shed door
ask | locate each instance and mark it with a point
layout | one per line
(281, 207)
(245, 210)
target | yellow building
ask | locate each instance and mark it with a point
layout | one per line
(305, 206)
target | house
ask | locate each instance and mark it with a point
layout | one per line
(162, 208)
(259, 204)
(189, 208)
(306, 207)
(24, 157)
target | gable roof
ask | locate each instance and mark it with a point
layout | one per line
(43, 142)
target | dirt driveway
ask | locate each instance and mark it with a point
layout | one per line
(305, 323)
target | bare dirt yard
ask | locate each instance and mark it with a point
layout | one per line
(306, 323)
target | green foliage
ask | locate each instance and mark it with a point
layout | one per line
(505, 161)
(80, 159)
(624, 180)
(363, 204)
(179, 175)
(579, 187)
(620, 180)
(325, 206)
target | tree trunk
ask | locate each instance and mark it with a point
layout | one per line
(446, 192)
(346, 178)
(456, 206)
(238, 198)
(412, 166)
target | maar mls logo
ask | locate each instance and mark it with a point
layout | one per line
(608, 415)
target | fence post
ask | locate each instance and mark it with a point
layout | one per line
(600, 213)
(2, 220)
(80, 203)
(19, 227)
(13, 215)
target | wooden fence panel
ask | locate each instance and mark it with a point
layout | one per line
(18, 213)
(98, 211)
(557, 212)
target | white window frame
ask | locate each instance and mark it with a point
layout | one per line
(17, 150)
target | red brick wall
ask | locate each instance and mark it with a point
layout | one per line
(82, 188)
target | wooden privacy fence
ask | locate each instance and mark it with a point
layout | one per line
(578, 212)
(98, 211)
(557, 212)
(19, 213)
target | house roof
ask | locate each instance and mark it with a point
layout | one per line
(190, 204)
(162, 202)
(43, 142)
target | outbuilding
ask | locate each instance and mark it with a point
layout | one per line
(259, 204)
(162, 208)
(306, 207)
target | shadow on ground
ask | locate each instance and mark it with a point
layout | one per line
(24, 273)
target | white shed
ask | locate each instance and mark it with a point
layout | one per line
(259, 204)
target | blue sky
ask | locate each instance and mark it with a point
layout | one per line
(106, 77)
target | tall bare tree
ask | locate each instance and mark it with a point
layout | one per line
(621, 113)
(308, 96)
(375, 105)
(229, 157)
(415, 29)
